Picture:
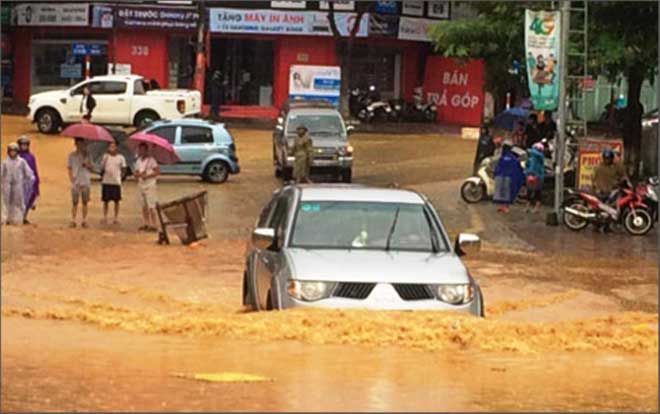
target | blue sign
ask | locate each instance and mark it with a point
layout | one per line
(326, 84)
(84, 49)
(386, 7)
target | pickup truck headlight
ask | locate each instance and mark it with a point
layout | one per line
(310, 291)
(346, 151)
(454, 294)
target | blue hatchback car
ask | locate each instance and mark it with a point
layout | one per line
(205, 148)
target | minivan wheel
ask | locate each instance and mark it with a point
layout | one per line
(48, 121)
(216, 172)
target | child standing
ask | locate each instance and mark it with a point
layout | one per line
(113, 167)
(535, 172)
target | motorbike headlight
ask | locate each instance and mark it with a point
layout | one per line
(434, 108)
(388, 109)
(310, 291)
(454, 294)
(397, 107)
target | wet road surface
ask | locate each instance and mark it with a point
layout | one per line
(103, 319)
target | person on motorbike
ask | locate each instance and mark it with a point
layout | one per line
(607, 176)
(535, 172)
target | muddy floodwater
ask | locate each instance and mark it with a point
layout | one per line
(105, 319)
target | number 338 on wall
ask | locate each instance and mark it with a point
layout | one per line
(139, 50)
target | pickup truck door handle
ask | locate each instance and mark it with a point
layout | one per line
(121, 99)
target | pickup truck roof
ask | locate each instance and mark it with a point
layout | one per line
(128, 78)
(300, 103)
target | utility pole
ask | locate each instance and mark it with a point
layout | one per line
(561, 124)
(200, 61)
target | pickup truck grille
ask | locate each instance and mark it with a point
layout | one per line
(353, 290)
(413, 291)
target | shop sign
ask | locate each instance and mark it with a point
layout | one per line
(148, 17)
(415, 29)
(288, 4)
(386, 7)
(542, 48)
(456, 89)
(383, 25)
(102, 17)
(438, 9)
(5, 17)
(315, 82)
(412, 8)
(71, 70)
(257, 21)
(84, 49)
(51, 14)
(121, 69)
(320, 25)
(590, 157)
(338, 5)
(282, 22)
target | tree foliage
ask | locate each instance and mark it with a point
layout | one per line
(623, 39)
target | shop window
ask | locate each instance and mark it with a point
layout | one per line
(55, 66)
(196, 135)
(168, 133)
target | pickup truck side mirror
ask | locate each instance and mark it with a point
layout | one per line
(467, 244)
(263, 238)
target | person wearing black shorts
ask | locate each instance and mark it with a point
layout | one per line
(113, 166)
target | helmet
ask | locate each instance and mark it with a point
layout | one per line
(654, 181)
(23, 140)
(539, 146)
(498, 140)
(608, 154)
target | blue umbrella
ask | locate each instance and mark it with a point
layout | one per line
(507, 119)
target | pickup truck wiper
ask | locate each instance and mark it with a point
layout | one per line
(391, 233)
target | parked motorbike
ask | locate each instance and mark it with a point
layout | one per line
(420, 110)
(650, 189)
(482, 186)
(628, 210)
(368, 106)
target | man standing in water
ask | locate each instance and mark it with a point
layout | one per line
(16, 177)
(32, 192)
(79, 167)
(146, 172)
(303, 150)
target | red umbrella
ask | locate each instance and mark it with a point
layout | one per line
(89, 132)
(159, 148)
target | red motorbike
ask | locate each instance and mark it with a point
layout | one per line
(627, 209)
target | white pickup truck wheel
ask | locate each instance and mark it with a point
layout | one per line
(48, 121)
(146, 117)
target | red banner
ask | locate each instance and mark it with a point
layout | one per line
(456, 89)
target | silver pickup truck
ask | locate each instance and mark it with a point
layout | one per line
(332, 152)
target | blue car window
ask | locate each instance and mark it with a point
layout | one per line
(168, 133)
(196, 135)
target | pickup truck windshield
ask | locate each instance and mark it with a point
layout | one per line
(316, 124)
(364, 225)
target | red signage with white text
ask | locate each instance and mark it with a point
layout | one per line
(456, 89)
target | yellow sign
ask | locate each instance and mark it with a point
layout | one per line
(591, 155)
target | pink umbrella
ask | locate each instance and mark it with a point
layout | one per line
(159, 148)
(89, 132)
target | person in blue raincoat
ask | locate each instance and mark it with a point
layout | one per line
(509, 178)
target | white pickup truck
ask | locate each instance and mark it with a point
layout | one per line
(120, 100)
